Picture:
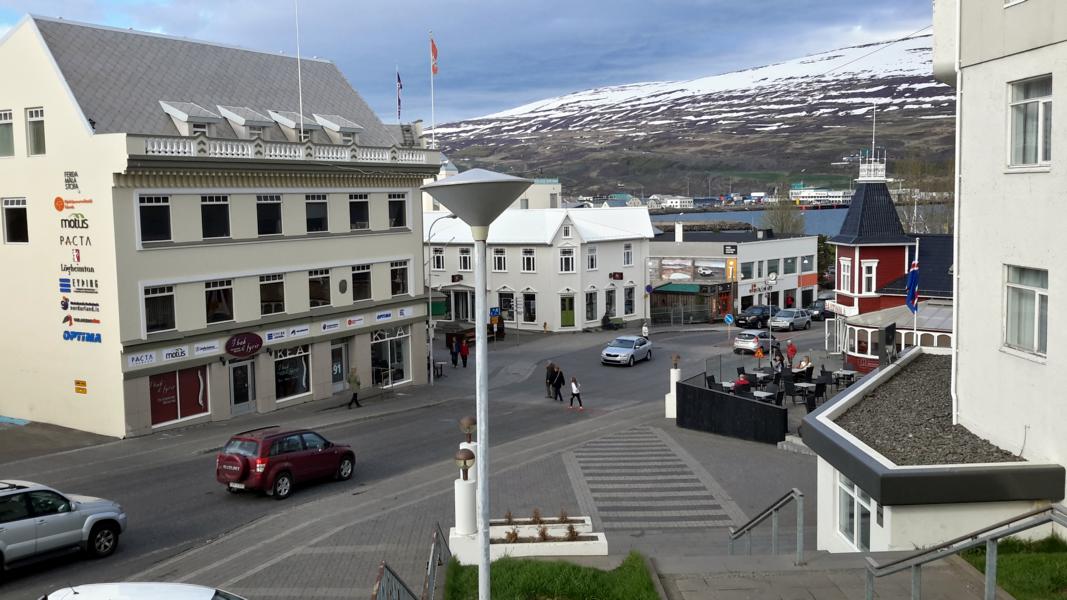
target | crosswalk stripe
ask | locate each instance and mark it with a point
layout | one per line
(661, 513)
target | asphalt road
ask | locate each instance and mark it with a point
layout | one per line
(168, 489)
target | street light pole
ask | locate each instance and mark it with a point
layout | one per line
(429, 289)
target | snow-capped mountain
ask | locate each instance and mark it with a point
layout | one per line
(828, 93)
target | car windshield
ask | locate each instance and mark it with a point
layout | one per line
(785, 314)
(745, 336)
(753, 310)
(622, 343)
(242, 447)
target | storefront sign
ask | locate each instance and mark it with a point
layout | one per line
(383, 315)
(82, 336)
(841, 309)
(65, 303)
(730, 249)
(405, 312)
(74, 221)
(175, 353)
(141, 360)
(75, 240)
(275, 335)
(80, 387)
(78, 285)
(70, 180)
(328, 326)
(62, 204)
(354, 321)
(299, 331)
(210, 347)
(244, 345)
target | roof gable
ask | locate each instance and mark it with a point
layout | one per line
(871, 218)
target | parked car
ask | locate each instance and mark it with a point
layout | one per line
(272, 460)
(748, 341)
(756, 316)
(139, 590)
(791, 318)
(626, 350)
(705, 271)
(818, 311)
(37, 521)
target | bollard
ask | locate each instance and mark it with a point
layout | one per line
(466, 522)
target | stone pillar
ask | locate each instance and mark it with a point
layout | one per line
(466, 522)
(670, 400)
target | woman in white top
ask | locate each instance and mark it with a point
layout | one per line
(576, 392)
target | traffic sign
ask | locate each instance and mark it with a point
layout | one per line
(759, 352)
(494, 311)
(728, 319)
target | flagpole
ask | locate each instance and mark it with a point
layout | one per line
(299, 78)
(915, 313)
(433, 117)
(397, 66)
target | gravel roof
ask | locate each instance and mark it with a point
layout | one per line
(908, 419)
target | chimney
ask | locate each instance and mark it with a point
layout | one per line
(678, 231)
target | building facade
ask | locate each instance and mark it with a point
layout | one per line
(548, 270)
(186, 254)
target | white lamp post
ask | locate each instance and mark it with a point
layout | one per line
(478, 197)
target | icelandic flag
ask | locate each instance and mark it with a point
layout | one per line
(912, 298)
(399, 86)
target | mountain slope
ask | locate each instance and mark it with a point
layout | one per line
(802, 113)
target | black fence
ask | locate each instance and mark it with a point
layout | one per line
(723, 413)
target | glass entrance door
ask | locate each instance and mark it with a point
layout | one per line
(566, 311)
(242, 387)
(462, 305)
(339, 366)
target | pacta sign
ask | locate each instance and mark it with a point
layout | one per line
(243, 345)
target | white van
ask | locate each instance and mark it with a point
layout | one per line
(140, 591)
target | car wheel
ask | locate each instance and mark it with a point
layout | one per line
(283, 486)
(649, 355)
(737, 351)
(103, 539)
(630, 362)
(344, 470)
(790, 326)
(807, 325)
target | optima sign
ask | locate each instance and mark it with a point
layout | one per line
(81, 336)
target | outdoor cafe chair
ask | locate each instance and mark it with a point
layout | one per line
(791, 390)
(709, 380)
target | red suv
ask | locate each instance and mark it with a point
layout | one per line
(271, 460)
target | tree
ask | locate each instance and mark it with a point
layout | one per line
(783, 216)
(827, 257)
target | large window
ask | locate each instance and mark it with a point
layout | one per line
(773, 267)
(155, 218)
(389, 351)
(790, 266)
(853, 514)
(35, 131)
(269, 214)
(590, 306)
(529, 261)
(7, 134)
(1031, 122)
(846, 275)
(627, 255)
(464, 259)
(398, 276)
(292, 372)
(529, 308)
(16, 225)
(746, 270)
(215, 216)
(178, 394)
(590, 258)
(361, 288)
(319, 287)
(159, 308)
(506, 302)
(870, 276)
(398, 210)
(500, 260)
(218, 300)
(807, 263)
(358, 212)
(566, 260)
(317, 213)
(1026, 310)
(271, 294)
(628, 304)
(609, 301)
(438, 262)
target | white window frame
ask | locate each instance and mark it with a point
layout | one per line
(630, 291)
(627, 255)
(220, 284)
(567, 232)
(465, 259)
(398, 197)
(1038, 293)
(320, 274)
(364, 199)
(34, 115)
(199, 128)
(866, 278)
(271, 279)
(845, 487)
(751, 270)
(845, 275)
(370, 279)
(7, 118)
(269, 199)
(566, 260)
(811, 262)
(255, 131)
(154, 201)
(590, 258)
(785, 265)
(317, 199)
(1044, 104)
(437, 260)
(155, 292)
(395, 266)
(500, 260)
(15, 203)
(216, 199)
(529, 260)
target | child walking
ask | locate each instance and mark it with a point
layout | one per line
(576, 392)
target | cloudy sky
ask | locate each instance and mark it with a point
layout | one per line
(497, 54)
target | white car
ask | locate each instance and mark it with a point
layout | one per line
(140, 591)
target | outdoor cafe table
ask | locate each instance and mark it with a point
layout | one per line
(804, 384)
(728, 385)
(844, 373)
(762, 395)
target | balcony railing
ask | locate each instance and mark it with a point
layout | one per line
(201, 146)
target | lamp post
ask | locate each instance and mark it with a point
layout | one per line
(478, 197)
(429, 289)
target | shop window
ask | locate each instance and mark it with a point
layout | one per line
(7, 134)
(361, 286)
(529, 308)
(628, 294)
(319, 287)
(316, 213)
(506, 302)
(176, 395)
(358, 212)
(500, 260)
(590, 306)
(746, 270)
(35, 131)
(159, 308)
(807, 263)
(271, 294)
(154, 213)
(269, 214)
(292, 372)
(398, 210)
(218, 300)
(215, 216)
(465, 259)
(390, 356)
(590, 258)
(853, 514)
(398, 277)
(627, 255)
(790, 266)
(1026, 310)
(438, 263)
(529, 260)
(16, 225)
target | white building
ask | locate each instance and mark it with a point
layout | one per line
(819, 196)
(668, 201)
(185, 245)
(544, 193)
(549, 269)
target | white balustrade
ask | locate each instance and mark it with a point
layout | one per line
(410, 156)
(284, 151)
(178, 146)
(169, 147)
(331, 153)
(372, 155)
(230, 149)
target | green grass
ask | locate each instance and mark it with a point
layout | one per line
(523, 579)
(1028, 570)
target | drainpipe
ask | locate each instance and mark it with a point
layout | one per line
(956, 218)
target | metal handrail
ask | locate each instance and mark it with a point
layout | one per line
(389, 586)
(772, 512)
(440, 556)
(988, 536)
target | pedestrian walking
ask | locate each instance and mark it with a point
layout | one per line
(791, 352)
(557, 382)
(464, 352)
(550, 374)
(353, 384)
(454, 350)
(778, 363)
(576, 392)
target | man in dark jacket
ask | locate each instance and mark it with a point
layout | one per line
(550, 373)
(558, 381)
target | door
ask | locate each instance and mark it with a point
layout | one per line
(242, 387)
(18, 532)
(463, 305)
(566, 311)
(57, 525)
(321, 461)
(339, 366)
(290, 449)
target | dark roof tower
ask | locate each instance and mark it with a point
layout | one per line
(872, 217)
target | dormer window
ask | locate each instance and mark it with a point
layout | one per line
(347, 139)
(190, 118)
(305, 136)
(255, 131)
(199, 128)
(246, 123)
(339, 129)
(296, 127)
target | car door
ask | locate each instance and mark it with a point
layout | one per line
(58, 526)
(18, 532)
(291, 451)
(321, 461)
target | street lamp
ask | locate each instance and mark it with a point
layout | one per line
(429, 289)
(478, 197)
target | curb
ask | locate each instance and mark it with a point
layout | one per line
(650, 564)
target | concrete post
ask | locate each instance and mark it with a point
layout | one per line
(670, 400)
(466, 517)
(473, 447)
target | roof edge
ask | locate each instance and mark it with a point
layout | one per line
(58, 72)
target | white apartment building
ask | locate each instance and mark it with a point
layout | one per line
(549, 269)
(819, 196)
(181, 245)
(668, 201)
(544, 193)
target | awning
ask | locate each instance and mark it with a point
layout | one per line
(679, 288)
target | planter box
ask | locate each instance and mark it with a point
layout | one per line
(465, 547)
(498, 528)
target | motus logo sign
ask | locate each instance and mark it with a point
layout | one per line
(81, 336)
(74, 221)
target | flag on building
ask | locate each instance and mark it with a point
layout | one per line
(433, 56)
(912, 298)
(399, 86)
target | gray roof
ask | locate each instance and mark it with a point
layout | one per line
(871, 218)
(245, 116)
(933, 315)
(118, 78)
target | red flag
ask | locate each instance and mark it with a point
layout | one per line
(433, 57)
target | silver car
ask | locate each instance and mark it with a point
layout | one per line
(791, 318)
(626, 350)
(748, 341)
(155, 591)
(37, 520)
